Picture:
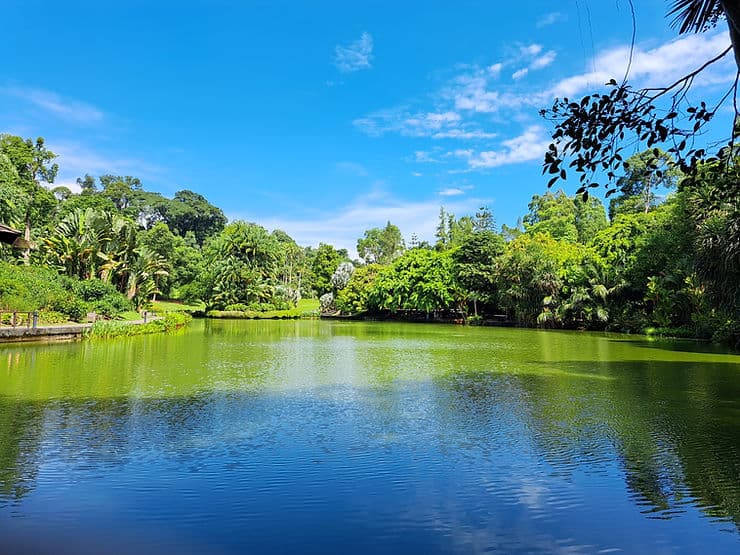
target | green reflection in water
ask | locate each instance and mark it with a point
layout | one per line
(669, 411)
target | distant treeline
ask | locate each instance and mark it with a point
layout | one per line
(671, 264)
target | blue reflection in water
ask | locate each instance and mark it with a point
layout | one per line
(406, 459)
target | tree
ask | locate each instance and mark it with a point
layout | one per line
(189, 211)
(475, 266)
(184, 260)
(639, 183)
(593, 132)
(442, 233)
(420, 280)
(242, 264)
(381, 246)
(325, 261)
(87, 184)
(484, 220)
(554, 214)
(120, 190)
(590, 218)
(10, 191)
(33, 164)
(292, 262)
(714, 213)
(355, 297)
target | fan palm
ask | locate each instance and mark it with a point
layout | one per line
(695, 16)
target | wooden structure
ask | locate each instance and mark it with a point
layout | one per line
(14, 238)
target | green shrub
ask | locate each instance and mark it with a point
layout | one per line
(28, 288)
(68, 304)
(256, 315)
(111, 305)
(237, 307)
(112, 328)
(93, 289)
(51, 317)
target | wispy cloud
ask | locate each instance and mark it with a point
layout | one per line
(435, 125)
(76, 159)
(530, 49)
(474, 99)
(66, 109)
(424, 157)
(451, 192)
(549, 19)
(526, 147)
(656, 66)
(356, 55)
(543, 61)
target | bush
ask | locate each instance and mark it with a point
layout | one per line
(112, 305)
(68, 304)
(110, 328)
(93, 289)
(51, 317)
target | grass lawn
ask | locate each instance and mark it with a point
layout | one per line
(308, 305)
(307, 308)
(130, 315)
(175, 306)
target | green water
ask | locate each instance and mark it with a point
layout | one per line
(329, 436)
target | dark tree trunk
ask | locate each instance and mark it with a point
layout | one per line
(732, 11)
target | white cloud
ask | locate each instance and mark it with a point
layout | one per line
(531, 49)
(451, 192)
(543, 61)
(435, 125)
(75, 160)
(528, 146)
(71, 185)
(417, 174)
(355, 56)
(495, 69)
(71, 111)
(651, 67)
(549, 19)
(466, 104)
(423, 156)
(471, 93)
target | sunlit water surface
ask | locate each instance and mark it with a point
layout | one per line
(316, 437)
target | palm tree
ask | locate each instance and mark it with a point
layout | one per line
(73, 249)
(696, 16)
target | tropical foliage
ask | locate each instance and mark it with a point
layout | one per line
(666, 259)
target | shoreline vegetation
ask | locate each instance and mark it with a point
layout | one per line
(170, 322)
(659, 259)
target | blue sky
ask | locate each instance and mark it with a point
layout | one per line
(324, 119)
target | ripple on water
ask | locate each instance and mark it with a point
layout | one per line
(372, 440)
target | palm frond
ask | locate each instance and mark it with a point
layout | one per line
(695, 16)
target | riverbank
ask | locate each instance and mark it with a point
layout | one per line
(41, 333)
(99, 329)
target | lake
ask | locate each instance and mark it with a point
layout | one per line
(351, 437)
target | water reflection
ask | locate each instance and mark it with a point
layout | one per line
(242, 435)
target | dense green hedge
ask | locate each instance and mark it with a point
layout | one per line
(254, 315)
(28, 288)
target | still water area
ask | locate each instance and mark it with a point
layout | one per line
(351, 437)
